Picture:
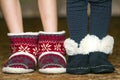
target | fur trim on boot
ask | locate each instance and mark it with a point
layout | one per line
(92, 43)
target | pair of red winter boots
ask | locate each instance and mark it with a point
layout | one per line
(44, 49)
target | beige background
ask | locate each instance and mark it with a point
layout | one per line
(30, 8)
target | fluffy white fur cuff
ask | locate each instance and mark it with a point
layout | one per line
(107, 44)
(71, 47)
(90, 43)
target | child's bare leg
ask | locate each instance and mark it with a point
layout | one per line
(51, 59)
(48, 12)
(12, 12)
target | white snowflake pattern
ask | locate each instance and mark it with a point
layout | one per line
(13, 49)
(39, 48)
(24, 49)
(57, 47)
(35, 50)
(46, 47)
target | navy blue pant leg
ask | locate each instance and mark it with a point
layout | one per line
(77, 19)
(78, 28)
(99, 26)
(100, 17)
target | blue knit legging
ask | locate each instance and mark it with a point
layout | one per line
(98, 22)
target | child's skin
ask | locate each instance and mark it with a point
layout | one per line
(12, 12)
(26, 46)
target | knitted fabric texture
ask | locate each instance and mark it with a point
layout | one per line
(77, 17)
(25, 43)
(51, 53)
(23, 54)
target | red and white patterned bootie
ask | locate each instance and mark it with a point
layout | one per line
(24, 49)
(51, 55)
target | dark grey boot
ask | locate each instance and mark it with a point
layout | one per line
(78, 61)
(99, 63)
(99, 59)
